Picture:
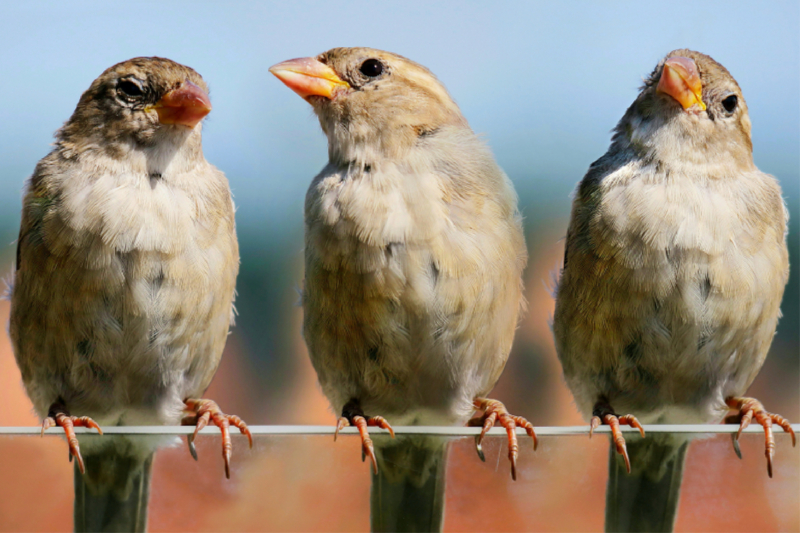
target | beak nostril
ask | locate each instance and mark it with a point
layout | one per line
(186, 105)
(309, 77)
(680, 79)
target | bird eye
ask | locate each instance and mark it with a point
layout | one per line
(730, 103)
(371, 68)
(129, 88)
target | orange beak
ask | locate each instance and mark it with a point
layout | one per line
(308, 77)
(681, 80)
(185, 105)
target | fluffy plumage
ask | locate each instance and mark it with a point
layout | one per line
(127, 258)
(414, 255)
(414, 249)
(675, 260)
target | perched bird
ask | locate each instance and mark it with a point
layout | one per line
(123, 292)
(673, 274)
(414, 249)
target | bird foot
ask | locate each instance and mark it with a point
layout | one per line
(204, 411)
(750, 408)
(59, 416)
(603, 414)
(495, 411)
(352, 415)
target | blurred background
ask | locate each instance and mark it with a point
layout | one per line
(543, 82)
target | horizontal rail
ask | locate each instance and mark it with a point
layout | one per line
(443, 431)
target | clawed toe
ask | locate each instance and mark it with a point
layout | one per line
(352, 415)
(204, 411)
(59, 416)
(750, 408)
(495, 412)
(603, 414)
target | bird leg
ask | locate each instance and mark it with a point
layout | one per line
(204, 411)
(604, 414)
(59, 416)
(352, 415)
(750, 408)
(495, 411)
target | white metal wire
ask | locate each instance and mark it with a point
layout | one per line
(444, 431)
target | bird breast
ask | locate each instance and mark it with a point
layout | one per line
(405, 286)
(137, 280)
(673, 284)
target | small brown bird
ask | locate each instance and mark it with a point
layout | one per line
(126, 267)
(674, 270)
(414, 250)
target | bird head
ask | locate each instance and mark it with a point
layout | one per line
(690, 109)
(371, 104)
(138, 103)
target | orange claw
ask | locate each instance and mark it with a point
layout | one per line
(495, 411)
(604, 415)
(205, 411)
(58, 416)
(353, 415)
(750, 408)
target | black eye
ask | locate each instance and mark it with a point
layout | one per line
(730, 103)
(129, 88)
(371, 68)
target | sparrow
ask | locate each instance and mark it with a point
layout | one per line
(674, 269)
(125, 272)
(414, 250)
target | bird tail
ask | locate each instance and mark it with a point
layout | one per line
(112, 495)
(408, 490)
(647, 498)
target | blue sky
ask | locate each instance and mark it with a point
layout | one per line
(543, 82)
